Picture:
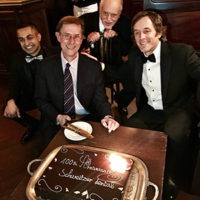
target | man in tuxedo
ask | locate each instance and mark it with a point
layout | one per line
(161, 75)
(108, 35)
(23, 69)
(86, 94)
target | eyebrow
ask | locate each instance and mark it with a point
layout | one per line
(25, 36)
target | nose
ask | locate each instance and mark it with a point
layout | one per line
(72, 39)
(26, 41)
(142, 35)
(109, 18)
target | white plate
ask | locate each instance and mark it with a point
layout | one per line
(71, 135)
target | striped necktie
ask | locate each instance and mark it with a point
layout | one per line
(69, 107)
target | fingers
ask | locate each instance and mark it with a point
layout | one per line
(62, 119)
(93, 37)
(110, 124)
(18, 114)
(109, 33)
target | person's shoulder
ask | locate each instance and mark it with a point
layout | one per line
(179, 47)
(90, 16)
(50, 60)
(89, 61)
(51, 50)
(176, 45)
(16, 59)
(88, 58)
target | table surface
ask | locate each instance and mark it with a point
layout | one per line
(149, 146)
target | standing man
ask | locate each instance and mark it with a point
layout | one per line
(160, 75)
(108, 36)
(111, 24)
(23, 69)
(70, 84)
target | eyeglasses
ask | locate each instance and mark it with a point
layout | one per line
(67, 36)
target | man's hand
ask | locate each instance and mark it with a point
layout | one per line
(62, 119)
(93, 37)
(109, 123)
(11, 109)
(109, 33)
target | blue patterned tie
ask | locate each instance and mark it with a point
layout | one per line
(69, 107)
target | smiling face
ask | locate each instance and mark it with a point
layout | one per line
(110, 12)
(145, 35)
(29, 40)
(70, 38)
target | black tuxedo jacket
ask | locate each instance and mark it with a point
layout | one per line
(90, 87)
(22, 82)
(122, 27)
(180, 67)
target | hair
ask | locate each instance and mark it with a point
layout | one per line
(27, 24)
(155, 18)
(70, 20)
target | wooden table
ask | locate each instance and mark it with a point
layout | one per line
(149, 146)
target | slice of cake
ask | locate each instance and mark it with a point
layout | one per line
(76, 174)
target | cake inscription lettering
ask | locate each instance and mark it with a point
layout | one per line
(72, 176)
(85, 161)
(104, 183)
(68, 161)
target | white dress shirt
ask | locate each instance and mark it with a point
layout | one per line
(151, 80)
(79, 109)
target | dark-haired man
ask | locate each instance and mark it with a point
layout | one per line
(161, 76)
(23, 68)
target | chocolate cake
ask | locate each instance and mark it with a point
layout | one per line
(76, 174)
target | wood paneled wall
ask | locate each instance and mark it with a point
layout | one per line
(181, 16)
(10, 15)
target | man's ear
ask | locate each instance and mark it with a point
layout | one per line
(57, 36)
(39, 36)
(159, 35)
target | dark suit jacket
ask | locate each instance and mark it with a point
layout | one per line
(90, 87)
(180, 66)
(122, 27)
(22, 82)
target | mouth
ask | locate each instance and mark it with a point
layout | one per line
(108, 23)
(29, 47)
(71, 47)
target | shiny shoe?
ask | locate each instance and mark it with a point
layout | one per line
(27, 135)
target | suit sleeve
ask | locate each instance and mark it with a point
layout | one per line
(100, 101)
(15, 82)
(42, 97)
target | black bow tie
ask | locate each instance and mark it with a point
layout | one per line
(151, 58)
(31, 58)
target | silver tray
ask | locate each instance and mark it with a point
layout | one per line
(135, 188)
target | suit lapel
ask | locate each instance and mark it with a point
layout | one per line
(165, 68)
(58, 71)
(80, 74)
(138, 73)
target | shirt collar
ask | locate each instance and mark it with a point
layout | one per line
(156, 52)
(73, 63)
(101, 26)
